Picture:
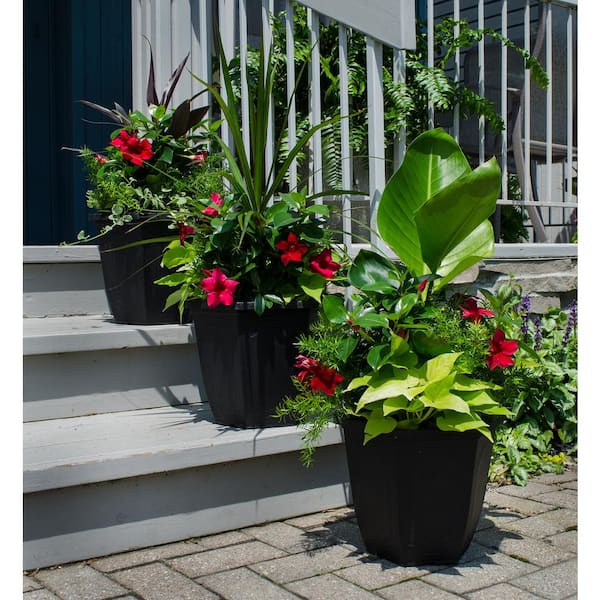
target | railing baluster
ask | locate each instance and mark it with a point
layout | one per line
(376, 130)
(315, 104)
(549, 133)
(201, 51)
(267, 11)
(504, 101)
(243, 49)
(226, 29)
(346, 154)
(430, 56)
(291, 82)
(481, 70)
(399, 75)
(526, 193)
(456, 124)
(569, 182)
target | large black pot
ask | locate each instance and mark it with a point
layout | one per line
(129, 273)
(247, 360)
(417, 494)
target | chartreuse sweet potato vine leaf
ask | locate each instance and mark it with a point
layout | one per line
(434, 211)
(417, 393)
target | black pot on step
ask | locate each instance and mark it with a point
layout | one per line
(417, 494)
(129, 272)
(247, 360)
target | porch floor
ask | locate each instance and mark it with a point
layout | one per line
(525, 547)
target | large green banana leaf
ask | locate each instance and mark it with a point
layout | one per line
(433, 212)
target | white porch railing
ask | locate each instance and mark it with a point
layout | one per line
(537, 150)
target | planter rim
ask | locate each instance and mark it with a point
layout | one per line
(243, 306)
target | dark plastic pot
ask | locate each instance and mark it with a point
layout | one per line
(417, 494)
(247, 361)
(129, 273)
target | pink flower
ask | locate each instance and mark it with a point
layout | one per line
(101, 159)
(200, 157)
(292, 249)
(319, 377)
(211, 211)
(474, 312)
(184, 231)
(220, 289)
(323, 264)
(133, 149)
(501, 351)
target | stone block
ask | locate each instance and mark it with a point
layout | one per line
(555, 582)
(325, 587)
(243, 583)
(416, 590)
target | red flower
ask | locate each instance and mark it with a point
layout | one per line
(101, 159)
(184, 231)
(220, 289)
(293, 249)
(422, 285)
(133, 149)
(324, 265)
(211, 211)
(319, 377)
(474, 312)
(200, 157)
(501, 351)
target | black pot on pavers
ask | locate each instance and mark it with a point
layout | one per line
(129, 273)
(247, 360)
(417, 494)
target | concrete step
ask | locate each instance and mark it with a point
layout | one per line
(100, 484)
(63, 280)
(76, 366)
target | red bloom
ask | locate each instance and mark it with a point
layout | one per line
(501, 351)
(133, 149)
(423, 285)
(324, 265)
(293, 249)
(211, 211)
(184, 231)
(220, 289)
(474, 312)
(319, 377)
(200, 157)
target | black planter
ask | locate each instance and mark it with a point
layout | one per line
(247, 360)
(129, 273)
(417, 494)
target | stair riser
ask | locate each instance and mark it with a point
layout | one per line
(84, 383)
(82, 522)
(59, 289)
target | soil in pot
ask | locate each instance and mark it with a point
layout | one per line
(417, 494)
(247, 360)
(129, 273)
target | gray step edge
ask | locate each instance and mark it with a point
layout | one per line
(52, 335)
(60, 254)
(59, 453)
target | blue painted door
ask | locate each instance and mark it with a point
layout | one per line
(73, 50)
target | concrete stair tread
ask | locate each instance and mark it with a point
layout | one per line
(50, 335)
(67, 452)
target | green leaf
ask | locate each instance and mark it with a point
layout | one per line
(453, 421)
(312, 284)
(399, 386)
(438, 395)
(428, 344)
(377, 354)
(456, 211)
(392, 405)
(345, 348)
(372, 269)
(172, 299)
(172, 280)
(369, 319)
(377, 424)
(334, 308)
(439, 367)
(406, 304)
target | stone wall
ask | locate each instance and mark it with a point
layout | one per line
(550, 282)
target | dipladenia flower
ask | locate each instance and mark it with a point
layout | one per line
(501, 351)
(211, 211)
(474, 312)
(324, 264)
(319, 377)
(220, 289)
(133, 149)
(184, 231)
(200, 157)
(292, 249)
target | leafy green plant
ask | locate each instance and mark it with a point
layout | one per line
(261, 251)
(398, 372)
(152, 163)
